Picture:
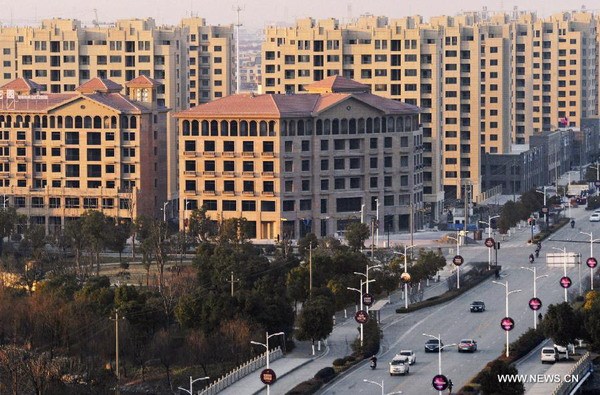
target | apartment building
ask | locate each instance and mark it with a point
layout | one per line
(308, 162)
(190, 61)
(483, 83)
(94, 148)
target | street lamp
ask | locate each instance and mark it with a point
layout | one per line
(507, 293)
(597, 167)
(564, 251)
(457, 239)
(406, 248)
(361, 305)
(381, 385)
(546, 213)
(192, 381)
(489, 231)
(440, 348)
(533, 270)
(164, 210)
(266, 346)
(592, 241)
(366, 275)
(362, 213)
(377, 217)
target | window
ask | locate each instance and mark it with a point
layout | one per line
(324, 145)
(339, 164)
(324, 164)
(288, 205)
(266, 205)
(324, 184)
(373, 182)
(305, 145)
(248, 146)
(288, 146)
(248, 205)
(229, 205)
(305, 165)
(339, 144)
(305, 204)
(340, 183)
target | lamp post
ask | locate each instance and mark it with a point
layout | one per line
(266, 346)
(362, 213)
(592, 241)
(192, 381)
(544, 192)
(535, 277)
(361, 305)
(597, 167)
(489, 232)
(457, 239)
(405, 253)
(377, 217)
(381, 385)
(366, 276)
(440, 348)
(505, 285)
(164, 210)
(564, 251)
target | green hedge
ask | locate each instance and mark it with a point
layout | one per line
(307, 387)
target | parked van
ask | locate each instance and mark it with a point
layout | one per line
(549, 354)
(562, 353)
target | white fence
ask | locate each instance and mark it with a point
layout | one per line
(241, 372)
(581, 367)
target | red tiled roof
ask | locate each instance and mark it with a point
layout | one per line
(21, 85)
(272, 105)
(115, 101)
(336, 84)
(142, 81)
(100, 85)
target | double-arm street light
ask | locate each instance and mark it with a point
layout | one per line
(366, 276)
(266, 346)
(592, 241)
(564, 251)
(457, 239)
(192, 381)
(535, 277)
(361, 304)
(381, 385)
(489, 232)
(440, 348)
(505, 285)
(597, 167)
(405, 253)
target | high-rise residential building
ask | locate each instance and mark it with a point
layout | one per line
(309, 162)
(483, 83)
(191, 61)
(94, 148)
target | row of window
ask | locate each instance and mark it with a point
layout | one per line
(232, 205)
(72, 154)
(92, 138)
(77, 122)
(69, 202)
(92, 184)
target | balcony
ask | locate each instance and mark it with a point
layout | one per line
(209, 173)
(21, 143)
(247, 154)
(229, 193)
(247, 174)
(268, 154)
(248, 193)
(228, 174)
(189, 173)
(209, 154)
(268, 193)
(228, 154)
(189, 153)
(267, 174)
(211, 192)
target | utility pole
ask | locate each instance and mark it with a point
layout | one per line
(237, 280)
(117, 371)
(412, 219)
(309, 269)
(372, 237)
(377, 205)
(237, 9)
(466, 206)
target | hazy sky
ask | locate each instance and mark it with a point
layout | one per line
(259, 12)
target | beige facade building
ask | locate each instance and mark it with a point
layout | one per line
(94, 148)
(482, 82)
(298, 163)
(191, 61)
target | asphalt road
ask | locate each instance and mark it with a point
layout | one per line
(453, 320)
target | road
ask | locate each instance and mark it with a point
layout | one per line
(454, 321)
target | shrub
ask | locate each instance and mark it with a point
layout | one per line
(339, 362)
(525, 343)
(350, 359)
(307, 387)
(325, 374)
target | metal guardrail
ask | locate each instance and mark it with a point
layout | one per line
(580, 367)
(241, 372)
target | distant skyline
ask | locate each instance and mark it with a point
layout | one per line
(258, 13)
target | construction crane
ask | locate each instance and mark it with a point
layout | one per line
(96, 22)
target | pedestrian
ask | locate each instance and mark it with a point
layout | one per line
(450, 385)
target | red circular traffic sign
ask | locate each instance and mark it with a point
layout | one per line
(535, 304)
(368, 299)
(439, 382)
(361, 316)
(545, 210)
(405, 277)
(458, 260)
(591, 262)
(267, 376)
(489, 242)
(507, 324)
(565, 282)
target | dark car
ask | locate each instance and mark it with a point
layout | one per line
(477, 306)
(433, 345)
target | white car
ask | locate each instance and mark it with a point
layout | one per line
(410, 356)
(595, 217)
(549, 354)
(399, 365)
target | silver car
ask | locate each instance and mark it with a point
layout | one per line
(410, 356)
(399, 365)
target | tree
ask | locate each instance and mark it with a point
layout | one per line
(8, 221)
(201, 228)
(532, 200)
(97, 229)
(315, 321)
(306, 242)
(562, 324)
(356, 234)
(591, 173)
(76, 239)
(118, 236)
(490, 385)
